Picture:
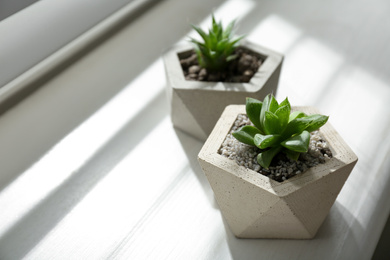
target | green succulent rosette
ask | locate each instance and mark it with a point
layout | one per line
(218, 46)
(277, 130)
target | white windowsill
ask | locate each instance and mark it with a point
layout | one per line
(91, 167)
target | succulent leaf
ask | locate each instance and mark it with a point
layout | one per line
(262, 113)
(229, 29)
(253, 108)
(298, 143)
(296, 114)
(221, 45)
(295, 127)
(273, 104)
(201, 33)
(285, 103)
(265, 158)
(234, 42)
(265, 141)
(271, 123)
(283, 113)
(317, 122)
(213, 40)
(246, 134)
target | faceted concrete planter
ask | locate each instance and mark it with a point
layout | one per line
(255, 206)
(196, 106)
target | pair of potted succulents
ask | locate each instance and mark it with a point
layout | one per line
(273, 172)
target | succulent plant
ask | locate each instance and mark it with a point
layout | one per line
(217, 50)
(276, 129)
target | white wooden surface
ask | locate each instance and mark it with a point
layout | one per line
(91, 167)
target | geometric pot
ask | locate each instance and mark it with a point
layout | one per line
(197, 105)
(255, 206)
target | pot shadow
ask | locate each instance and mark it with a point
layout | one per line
(336, 236)
(192, 147)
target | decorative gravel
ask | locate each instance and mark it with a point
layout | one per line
(282, 168)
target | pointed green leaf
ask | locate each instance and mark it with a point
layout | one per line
(262, 112)
(229, 29)
(273, 104)
(271, 124)
(283, 113)
(201, 33)
(265, 158)
(197, 43)
(246, 134)
(298, 143)
(295, 127)
(221, 45)
(296, 114)
(204, 50)
(236, 40)
(285, 103)
(213, 40)
(317, 122)
(219, 31)
(215, 26)
(253, 108)
(231, 45)
(265, 141)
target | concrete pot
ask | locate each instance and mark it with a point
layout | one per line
(255, 206)
(196, 106)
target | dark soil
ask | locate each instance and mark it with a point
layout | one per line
(239, 70)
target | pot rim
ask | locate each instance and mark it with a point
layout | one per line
(176, 76)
